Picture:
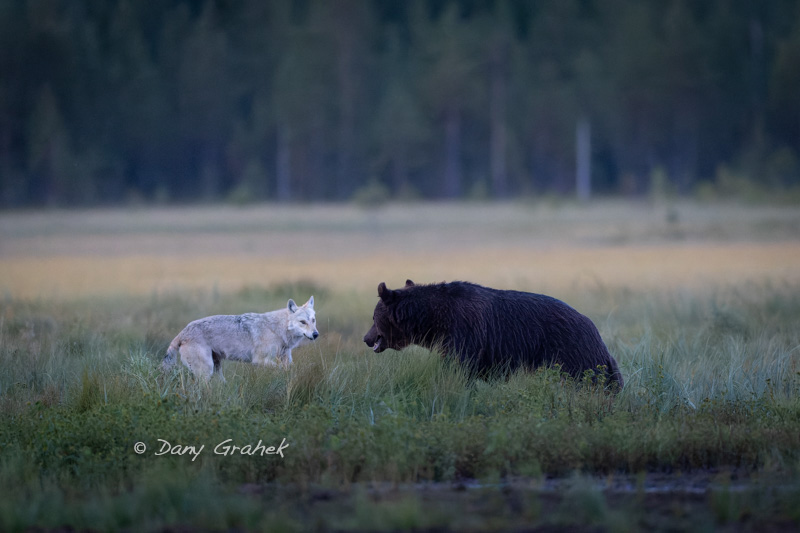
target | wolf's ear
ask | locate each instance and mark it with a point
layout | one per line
(409, 283)
(309, 303)
(387, 295)
(291, 306)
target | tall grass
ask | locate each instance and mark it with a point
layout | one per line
(712, 381)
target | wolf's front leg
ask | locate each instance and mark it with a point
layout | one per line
(267, 357)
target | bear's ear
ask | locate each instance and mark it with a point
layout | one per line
(291, 306)
(409, 283)
(387, 295)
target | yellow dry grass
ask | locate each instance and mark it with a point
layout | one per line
(540, 248)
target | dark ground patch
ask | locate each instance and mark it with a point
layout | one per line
(705, 500)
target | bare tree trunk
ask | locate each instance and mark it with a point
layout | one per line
(399, 169)
(497, 110)
(346, 135)
(685, 151)
(583, 160)
(347, 96)
(452, 152)
(283, 169)
(316, 181)
(209, 171)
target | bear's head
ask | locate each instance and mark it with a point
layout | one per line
(385, 331)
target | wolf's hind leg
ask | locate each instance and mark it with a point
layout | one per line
(217, 358)
(198, 359)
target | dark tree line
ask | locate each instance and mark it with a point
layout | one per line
(108, 101)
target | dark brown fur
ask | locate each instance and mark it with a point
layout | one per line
(490, 330)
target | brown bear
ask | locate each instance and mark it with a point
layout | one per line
(490, 330)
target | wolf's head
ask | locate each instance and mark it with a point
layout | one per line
(385, 331)
(303, 319)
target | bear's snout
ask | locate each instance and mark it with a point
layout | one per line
(369, 338)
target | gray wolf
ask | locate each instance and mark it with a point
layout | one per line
(258, 338)
(490, 330)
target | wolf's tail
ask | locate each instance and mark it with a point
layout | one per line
(172, 353)
(616, 374)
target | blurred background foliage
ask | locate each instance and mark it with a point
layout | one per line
(184, 101)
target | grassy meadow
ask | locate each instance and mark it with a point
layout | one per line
(700, 304)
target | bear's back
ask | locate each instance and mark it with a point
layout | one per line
(494, 329)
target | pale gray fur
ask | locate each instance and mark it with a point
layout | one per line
(258, 338)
